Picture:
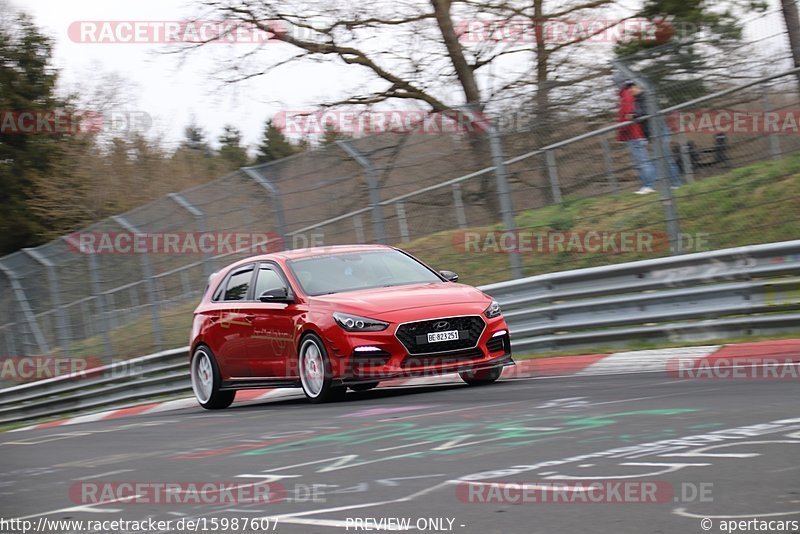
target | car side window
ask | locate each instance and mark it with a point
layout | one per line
(238, 284)
(267, 279)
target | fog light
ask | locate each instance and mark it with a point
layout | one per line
(500, 333)
(367, 349)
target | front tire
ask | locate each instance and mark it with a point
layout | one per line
(316, 377)
(206, 381)
(482, 376)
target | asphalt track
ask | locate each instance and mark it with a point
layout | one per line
(408, 453)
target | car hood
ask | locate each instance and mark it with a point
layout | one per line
(390, 299)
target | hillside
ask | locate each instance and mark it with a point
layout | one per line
(750, 205)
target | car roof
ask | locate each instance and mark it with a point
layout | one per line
(315, 251)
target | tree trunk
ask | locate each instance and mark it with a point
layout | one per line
(464, 72)
(481, 152)
(543, 115)
(789, 8)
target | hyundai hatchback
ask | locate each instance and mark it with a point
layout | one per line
(331, 318)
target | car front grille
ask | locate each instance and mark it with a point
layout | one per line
(414, 335)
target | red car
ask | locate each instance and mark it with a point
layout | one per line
(330, 318)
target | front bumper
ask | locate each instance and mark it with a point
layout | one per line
(371, 357)
(365, 378)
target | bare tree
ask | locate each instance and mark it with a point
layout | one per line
(421, 53)
(417, 50)
(566, 43)
(790, 16)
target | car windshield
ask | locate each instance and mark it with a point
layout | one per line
(323, 275)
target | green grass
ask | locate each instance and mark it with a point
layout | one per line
(749, 205)
(136, 338)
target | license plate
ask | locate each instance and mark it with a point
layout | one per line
(436, 337)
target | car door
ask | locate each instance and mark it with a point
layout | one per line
(272, 343)
(235, 323)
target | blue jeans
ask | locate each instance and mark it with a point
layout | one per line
(642, 161)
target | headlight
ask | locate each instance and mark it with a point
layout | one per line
(354, 323)
(493, 310)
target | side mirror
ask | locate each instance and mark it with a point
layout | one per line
(278, 294)
(450, 276)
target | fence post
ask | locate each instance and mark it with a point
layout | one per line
(552, 173)
(63, 332)
(11, 346)
(402, 221)
(147, 274)
(686, 159)
(609, 164)
(372, 183)
(88, 328)
(277, 201)
(506, 207)
(461, 215)
(658, 130)
(358, 225)
(25, 310)
(658, 126)
(202, 227)
(774, 142)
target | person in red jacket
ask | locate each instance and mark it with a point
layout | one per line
(635, 137)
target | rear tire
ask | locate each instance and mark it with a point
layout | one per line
(481, 377)
(206, 381)
(316, 377)
(364, 387)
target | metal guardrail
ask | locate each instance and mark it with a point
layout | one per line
(155, 375)
(695, 297)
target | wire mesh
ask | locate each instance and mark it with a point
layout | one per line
(439, 199)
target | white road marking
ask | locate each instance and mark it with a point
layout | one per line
(702, 454)
(524, 486)
(403, 446)
(89, 418)
(84, 508)
(428, 414)
(670, 468)
(645, 360)
(109, 473)
(391, 481)
(48, 438)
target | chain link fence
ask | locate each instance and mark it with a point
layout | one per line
(492, 204)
